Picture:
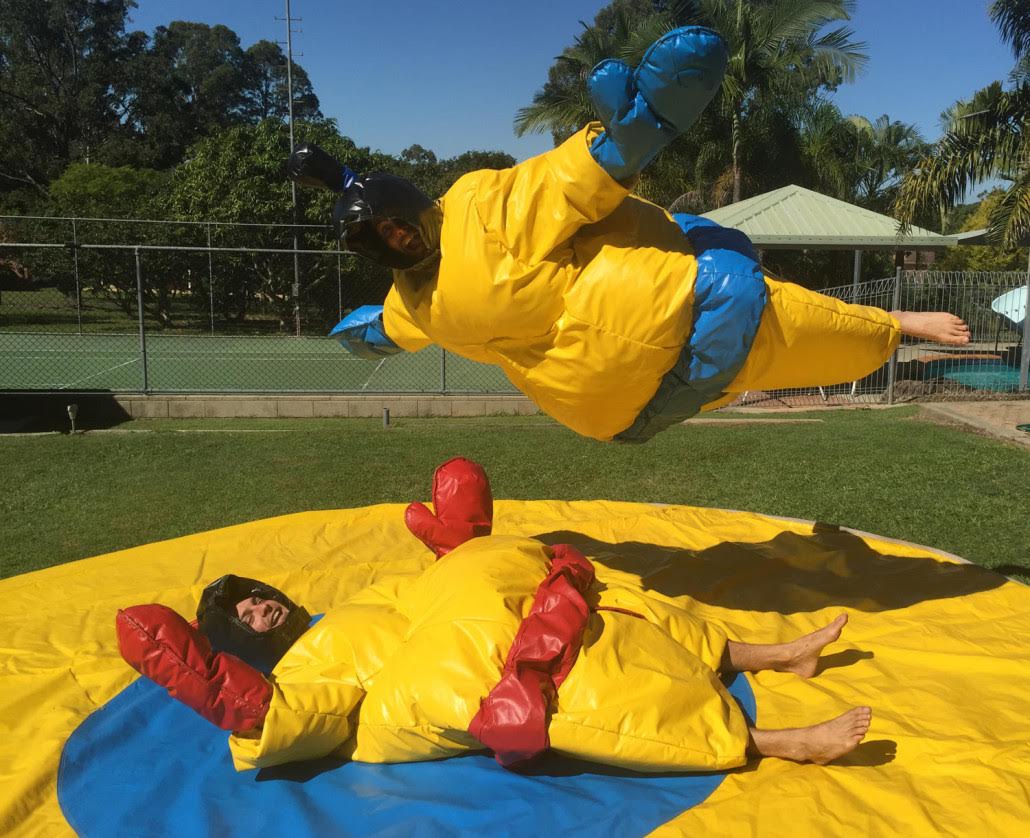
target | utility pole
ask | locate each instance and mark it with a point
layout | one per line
(293, 187)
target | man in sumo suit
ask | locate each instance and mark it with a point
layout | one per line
(614, 317)
(503, 644)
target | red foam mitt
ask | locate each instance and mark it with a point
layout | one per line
(463, 504)
(159, 643)
(513, 719)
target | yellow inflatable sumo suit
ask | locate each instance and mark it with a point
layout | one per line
(398, 673)
(615, 318)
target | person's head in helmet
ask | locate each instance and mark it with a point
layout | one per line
(382, 217)
(388, 220)
(249, 619)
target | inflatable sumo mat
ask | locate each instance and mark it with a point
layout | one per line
(938, 647)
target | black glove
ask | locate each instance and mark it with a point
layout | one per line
(309, 165)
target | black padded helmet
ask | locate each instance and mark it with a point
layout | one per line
(217, 619)
(362, 199)
(379, 195)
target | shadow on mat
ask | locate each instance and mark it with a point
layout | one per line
(299, 772)
(849, 657)
(547, 766)
(869, 754)
(790, 573)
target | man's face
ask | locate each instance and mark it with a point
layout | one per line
(400, 236)
(261, 614)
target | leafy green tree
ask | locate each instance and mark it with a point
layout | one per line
(92, 190)
(986, 138)
(832, 148)
(886, 150)
(435, 177)
(57, 103)
(75, 86)
(622, 30)
(192, 80)
(237, 175)
(778, 50)
(189, 81)
(987, 257)
(781, 58)
(265, 91)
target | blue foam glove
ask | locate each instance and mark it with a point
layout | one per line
(645, 109)
(361, 333)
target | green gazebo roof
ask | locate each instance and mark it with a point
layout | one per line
(795, 218)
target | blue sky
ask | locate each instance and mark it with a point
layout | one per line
(451, 75)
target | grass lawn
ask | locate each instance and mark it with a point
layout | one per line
(887, 472)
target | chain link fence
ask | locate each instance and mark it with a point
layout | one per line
(196, 307)
(208, 307)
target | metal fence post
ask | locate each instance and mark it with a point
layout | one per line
(210, 280)
(856, 278)
(142, 327)
(296, 262)
(443, 370)
(1024, 360)
(892, 365)
(339, 285)
(78, 286)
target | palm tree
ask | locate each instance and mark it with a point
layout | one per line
(985, 137)
(829, 144)
(885, 150)
(776, 48)
(563, 106)
(779, 57)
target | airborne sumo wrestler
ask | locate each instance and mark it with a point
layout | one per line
(614, 317)
(503, 644)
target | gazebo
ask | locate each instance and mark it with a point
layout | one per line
(795, 218)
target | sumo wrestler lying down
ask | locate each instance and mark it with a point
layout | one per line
(503, 644)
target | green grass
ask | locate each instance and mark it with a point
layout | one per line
(887, 472)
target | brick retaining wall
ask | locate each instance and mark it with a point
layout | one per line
(49, 410)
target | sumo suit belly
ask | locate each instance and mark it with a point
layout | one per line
(583, 295)
(638, 699)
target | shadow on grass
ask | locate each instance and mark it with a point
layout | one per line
(790, 573)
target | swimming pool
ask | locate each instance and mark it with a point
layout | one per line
(979, 374)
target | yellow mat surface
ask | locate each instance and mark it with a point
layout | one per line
(938, 648)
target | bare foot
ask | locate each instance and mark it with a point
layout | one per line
(802, 655)
(938, 326)
(821, 743)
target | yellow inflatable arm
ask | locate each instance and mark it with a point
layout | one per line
(399, 325)
(319, 684)
(537, 206)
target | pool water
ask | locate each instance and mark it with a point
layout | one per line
(981, 375)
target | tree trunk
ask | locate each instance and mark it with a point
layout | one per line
(736, 157)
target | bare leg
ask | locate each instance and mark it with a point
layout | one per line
(821, 743)
(800, 656)
(937, 326)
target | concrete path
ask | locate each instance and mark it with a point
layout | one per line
(998, 419)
